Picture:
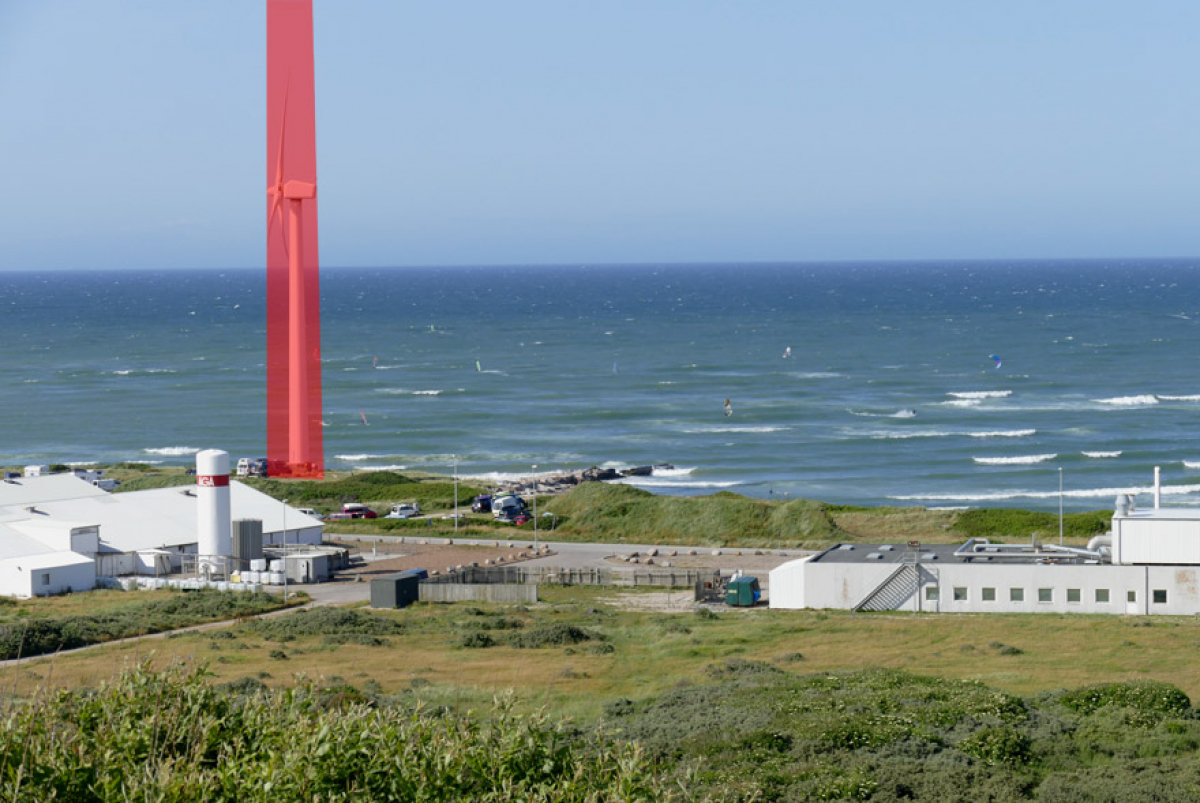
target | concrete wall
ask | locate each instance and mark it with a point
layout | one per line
(490, 592)
(808, 584)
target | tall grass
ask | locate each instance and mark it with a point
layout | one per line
(172, 736)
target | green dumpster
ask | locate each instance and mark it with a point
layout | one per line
(743, 591)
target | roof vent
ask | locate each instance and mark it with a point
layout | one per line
(887, 547)
(875, 556)
(847, 547)
(929, 556)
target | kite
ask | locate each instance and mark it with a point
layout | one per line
(728, 408)
(996, 357)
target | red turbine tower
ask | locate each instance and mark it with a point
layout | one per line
(294, 443)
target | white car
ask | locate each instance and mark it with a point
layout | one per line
(404, 510)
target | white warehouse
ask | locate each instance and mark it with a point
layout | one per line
(1148, 564)
(59, 532)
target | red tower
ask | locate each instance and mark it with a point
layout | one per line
(294, 442)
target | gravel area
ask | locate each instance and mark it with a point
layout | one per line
(389, 558)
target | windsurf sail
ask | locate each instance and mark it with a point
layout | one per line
(375, 362)
(364, 416)
(787, 352)
(478, 367)
(996, 357)
(728, 408)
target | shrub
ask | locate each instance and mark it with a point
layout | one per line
(558, 634)
(476, 640)
(1161, 700)
(1000, 745)
(325, 622)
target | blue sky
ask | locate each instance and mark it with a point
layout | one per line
(561, 132)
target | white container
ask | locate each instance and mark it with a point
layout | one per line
(276, 578)
(250, 576)
(235, 577)
(258, 565)
(277, 566)
(254, 587)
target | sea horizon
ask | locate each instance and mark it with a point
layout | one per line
(889, 394)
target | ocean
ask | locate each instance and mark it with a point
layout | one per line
(891, 393)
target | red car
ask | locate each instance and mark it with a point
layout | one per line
(520, 519)
(357, 510)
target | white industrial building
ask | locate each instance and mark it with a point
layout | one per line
(59, 532)
(1148, 564)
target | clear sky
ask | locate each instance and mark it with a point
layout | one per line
(132, 132)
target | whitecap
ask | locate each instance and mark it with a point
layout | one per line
(1191, 463)
(1101, 454)
(1014, 461)
(1129, 401)
(644, 482)
(678, 471)
(426, 393)
(353, 458)
(382, 468)
(1179, 398)
(963, 402)
(1084, 493)
(1004, 433)
(980, 394)
(173, 451)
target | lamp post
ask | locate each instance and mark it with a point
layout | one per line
(535, 510)
(456, 494)
(285, 566)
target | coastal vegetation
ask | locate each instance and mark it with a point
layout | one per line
(40, 626)
(614, 513)
(738, 705)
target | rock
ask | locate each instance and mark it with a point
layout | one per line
(596, 474)
(423, 542)
(665, 564)
(716, 553)
(758, 552)
(434, 573)
(672, 553)
(635, 560)
(652, 553)
(637, 471)
(487, 562)
(649, 561)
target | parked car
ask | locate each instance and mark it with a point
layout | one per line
(339, 517)
(308, 511)
(404, 510)
(482, 504)
(357, 510)
(507, 506)
(521, 518)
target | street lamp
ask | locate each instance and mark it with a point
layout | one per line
(456, 494)
(535, 509)
(285, 566)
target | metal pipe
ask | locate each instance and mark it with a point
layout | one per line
(1157, 487)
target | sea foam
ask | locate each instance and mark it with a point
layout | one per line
(173, 451)
(1014, 461)
(1129, 401)
(980, 394)
(1101, 454)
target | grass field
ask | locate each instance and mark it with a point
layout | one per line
(638, 654)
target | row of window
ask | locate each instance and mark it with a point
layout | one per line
(933, 594)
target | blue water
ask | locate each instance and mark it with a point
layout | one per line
(889, 397)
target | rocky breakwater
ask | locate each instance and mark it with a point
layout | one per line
(565, 480)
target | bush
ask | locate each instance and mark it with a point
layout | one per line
(337, 622)
(1159, 700)
(477, 640)
(559, 634)
(1001, 745)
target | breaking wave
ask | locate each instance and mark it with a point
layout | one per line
(1129, 401)
(173, 451)
(1014, 461)
(1085, 493)
(981, 394)
(1101, 454)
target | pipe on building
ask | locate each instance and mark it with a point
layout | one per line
(1157, 487)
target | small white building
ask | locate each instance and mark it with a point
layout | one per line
(1148, 564)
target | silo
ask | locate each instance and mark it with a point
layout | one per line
(213, 519)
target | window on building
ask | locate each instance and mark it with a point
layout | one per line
(1045, 595)
(45, 578)
(1102, 595)
(960, 594)
(1072, 595)
(931, 593)
(1131, 596)
(1016, 595)
(989, 595)
(1160, 596)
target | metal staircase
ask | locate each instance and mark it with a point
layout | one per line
(894, 591)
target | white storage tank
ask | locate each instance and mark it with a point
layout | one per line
(214, 522)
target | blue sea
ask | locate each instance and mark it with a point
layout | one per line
(890, 395)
